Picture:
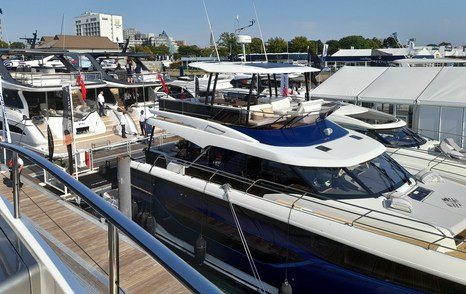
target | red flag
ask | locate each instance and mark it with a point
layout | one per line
(80, 82)
(160, 77)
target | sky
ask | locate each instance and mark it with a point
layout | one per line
(427, 21)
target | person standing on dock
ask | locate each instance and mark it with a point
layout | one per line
(101, 102)
(142, 123)
(123, 125)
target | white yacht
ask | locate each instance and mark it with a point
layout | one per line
(33, 97)
(410, 149)
(275, 198)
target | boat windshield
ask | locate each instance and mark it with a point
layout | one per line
(371, 178)
(399, 137)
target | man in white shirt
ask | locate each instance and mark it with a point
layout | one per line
(101, 102)
(142, 122)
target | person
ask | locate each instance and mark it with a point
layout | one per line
(129, 71)
(20, 169)
(142, 123)
(137, 72)
(101, 102)
(123, 125)
(127, 97)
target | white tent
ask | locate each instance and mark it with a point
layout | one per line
(447, 89)
(347, 83)
(399, 85)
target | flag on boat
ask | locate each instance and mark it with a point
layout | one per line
(284, 85)
(50, 142)
(6, 128)
(160, 77)
(68, 125)
(80, 82)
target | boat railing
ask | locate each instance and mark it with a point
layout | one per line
(49, 77)
(434, 161)
(332, 208)
(117, 221)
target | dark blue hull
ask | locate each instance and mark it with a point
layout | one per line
(308, 261)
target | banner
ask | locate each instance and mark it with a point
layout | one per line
(6, 128)
(68, 124)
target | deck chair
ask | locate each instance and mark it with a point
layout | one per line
(455, 146)
(449, 151)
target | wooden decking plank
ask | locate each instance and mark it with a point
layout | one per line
(139, 273)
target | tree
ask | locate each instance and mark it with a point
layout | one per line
(374, 43)
(390, 42)
(276, 45)
(299, 44)
(189, 50)
(4, 44)
(256, 45)
(160, 50)
(17, 45)
(228, 40)
(356, 42)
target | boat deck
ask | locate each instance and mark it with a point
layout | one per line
(80, 240)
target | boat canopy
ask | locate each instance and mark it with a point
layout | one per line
(252, 67)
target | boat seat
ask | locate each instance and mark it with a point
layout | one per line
(310, 106)
(449, 151)
(453, 144)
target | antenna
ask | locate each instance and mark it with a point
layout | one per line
(211, 32)
(260, 32)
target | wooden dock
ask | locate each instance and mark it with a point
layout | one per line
(85, 238)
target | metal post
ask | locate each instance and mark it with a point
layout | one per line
(113, 259)
(15, 184)
(124, 185)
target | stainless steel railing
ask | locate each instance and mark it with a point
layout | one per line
(179, 268)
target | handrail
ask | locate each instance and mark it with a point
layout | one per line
(346, 209)
(174, 264)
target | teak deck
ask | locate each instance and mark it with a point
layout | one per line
(63, 223)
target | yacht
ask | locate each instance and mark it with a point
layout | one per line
(278, 199)
(135, 90)
(33, 97)
(413, 151)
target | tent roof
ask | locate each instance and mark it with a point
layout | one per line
(399, 85)
(347, 83)
(440, 86)
(447, 89)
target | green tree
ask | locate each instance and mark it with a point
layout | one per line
(4, 44)
(161, 49)
(192, 50)
(256, 45)
(17, 45)
(357, 42)
(389, 42)
(299, 44)
(229, 41)
(276, 45)
(374, 43)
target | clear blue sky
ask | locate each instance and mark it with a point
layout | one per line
(428, 21)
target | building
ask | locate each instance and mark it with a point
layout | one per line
(99, 24)
(136, 38)
(78, 43)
